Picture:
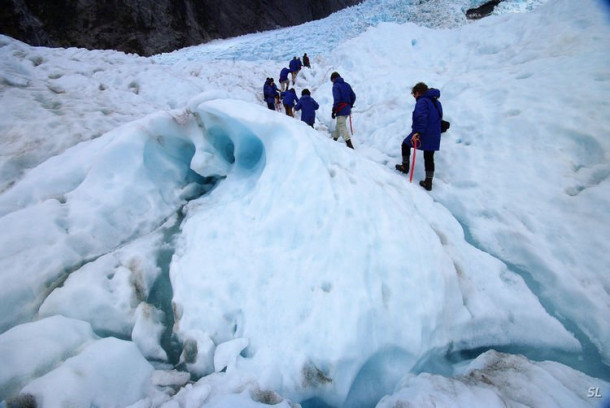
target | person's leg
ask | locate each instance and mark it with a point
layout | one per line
(429, 166)
(405, 148)
(342, 129)
(429, 163)
(336, 131)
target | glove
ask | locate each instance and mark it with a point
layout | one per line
(415, 139)
(334, 115)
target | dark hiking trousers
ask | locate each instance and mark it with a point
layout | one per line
(428, 158)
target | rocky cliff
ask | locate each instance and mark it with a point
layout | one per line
(149, 27)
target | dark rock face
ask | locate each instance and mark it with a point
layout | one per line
(149, 27)
(482, 11)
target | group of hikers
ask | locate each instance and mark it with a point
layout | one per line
(287, 97)
(427, 115)
(343, 99)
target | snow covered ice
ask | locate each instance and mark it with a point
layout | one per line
(168, 241)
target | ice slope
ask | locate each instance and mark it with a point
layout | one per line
(302, 271)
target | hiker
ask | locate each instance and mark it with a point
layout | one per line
(425, 131)
(295, 66)
(289, 100)
(306, 61)
(270, 93)
(309, 107)
(284, 81)
(343, 101)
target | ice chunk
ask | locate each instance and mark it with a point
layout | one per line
(227, 353)
(147, 331)
(498, 380)
(32, 349)
(86, 379)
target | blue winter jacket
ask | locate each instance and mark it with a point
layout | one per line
(290, 98)
(295, 65)
(427, 121)
(284, 74)
(270, 92)
(309, 106)
(343, 97)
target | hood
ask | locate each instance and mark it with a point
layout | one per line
(432, 93)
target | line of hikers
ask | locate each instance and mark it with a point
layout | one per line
(294, 67)
(288, 98)
(427, 122)
(343, 101)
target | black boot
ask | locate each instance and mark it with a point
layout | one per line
(406, 159)
(427, 183)
(403, 168)
(349, 144)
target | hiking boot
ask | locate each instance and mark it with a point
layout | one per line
(427, 183)
(403, 168)
(349, 144)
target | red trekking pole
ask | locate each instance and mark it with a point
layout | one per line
(413, 164)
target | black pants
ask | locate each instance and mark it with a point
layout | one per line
(428, 157)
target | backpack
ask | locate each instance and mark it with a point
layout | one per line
(444, 124)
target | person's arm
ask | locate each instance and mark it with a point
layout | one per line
(420, 116)
(336, 98)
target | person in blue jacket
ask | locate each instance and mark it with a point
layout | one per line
(343, 101)
(309, 106)
(295, 66)
(270, 93)
(289, 100)
(425, 131)
(284, 81)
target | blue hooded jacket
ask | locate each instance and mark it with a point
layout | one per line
(343, 97)
(295, 65)
(284, 74)
(427, 121)
(270, 91)
(309, 106)
(289, 98)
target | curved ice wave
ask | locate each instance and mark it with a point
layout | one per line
(285, 272)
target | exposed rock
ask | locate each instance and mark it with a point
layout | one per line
(149, 27)
(482, 11)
